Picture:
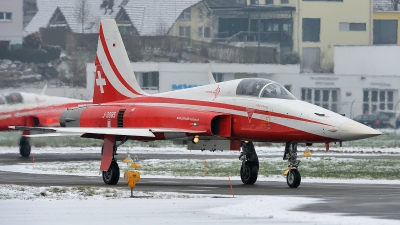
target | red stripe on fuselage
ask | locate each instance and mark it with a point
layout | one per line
(112, 64)
(152, 99)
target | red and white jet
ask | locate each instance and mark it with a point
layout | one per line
(226, 115)
(32, 110)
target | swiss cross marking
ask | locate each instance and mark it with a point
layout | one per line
(100, 82)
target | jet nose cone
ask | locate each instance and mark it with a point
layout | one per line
(352, 130)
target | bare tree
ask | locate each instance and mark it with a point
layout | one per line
(395, 4)
(161, 27)
(82, 12)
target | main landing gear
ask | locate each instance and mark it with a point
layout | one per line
(109, 165)
(293, 177)
(24, 146)
(111, 176)
(250, 164)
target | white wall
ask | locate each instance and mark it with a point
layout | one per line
(367, 60)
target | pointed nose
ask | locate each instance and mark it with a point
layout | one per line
(352, 130)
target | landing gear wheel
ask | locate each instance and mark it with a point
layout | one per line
(248, 173)
(293, 178)
(111, 176)
(24, 147)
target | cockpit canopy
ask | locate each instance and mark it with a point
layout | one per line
(11, 98)
(262, 88)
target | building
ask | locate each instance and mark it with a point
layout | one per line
(65, 14)
(386, 23)
(150, 18)
(318, 25)
(11, 22)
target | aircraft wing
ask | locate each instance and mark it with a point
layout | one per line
(73, 131)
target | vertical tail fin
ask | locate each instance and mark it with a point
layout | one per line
(114, 79)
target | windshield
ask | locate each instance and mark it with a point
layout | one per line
(263, 88)
(274, 90)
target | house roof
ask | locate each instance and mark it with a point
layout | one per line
(46, 9)
(156, 17)
(383, 5)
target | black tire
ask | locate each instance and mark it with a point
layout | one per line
(249, 173)
(293, 178)
(24, 147)
(111, 176)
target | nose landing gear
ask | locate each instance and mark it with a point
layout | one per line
(250, 164)
(293, 177)
(24, 146)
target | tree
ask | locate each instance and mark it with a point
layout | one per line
(395, 4)
(32, 41)
(82, 12)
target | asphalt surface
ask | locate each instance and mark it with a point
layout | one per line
(372, 200)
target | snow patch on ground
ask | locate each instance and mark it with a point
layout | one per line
(85, 205)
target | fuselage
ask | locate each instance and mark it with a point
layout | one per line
(29, 109)
(254, 115)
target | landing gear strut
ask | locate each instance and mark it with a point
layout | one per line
(108, 153)
(293, 177)
(250, 164)
(24, 146)
(111, 176)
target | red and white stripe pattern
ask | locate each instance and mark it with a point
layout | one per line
(114, 78)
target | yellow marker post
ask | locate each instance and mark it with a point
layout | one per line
(132, 177)
(307, 153)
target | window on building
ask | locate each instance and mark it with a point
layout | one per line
(204, 32)
(218, 77)
(150, 81)
(186, 14)
(200, 15)
(311, 29)
(207, 32)
(377, 100)
(343, 26)
(254, 2)
(284, 1)
(288, 87)
(327, 98)
(269, 2)
(385, 31)
(184, 31)
(201, 32)
(5, 16)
